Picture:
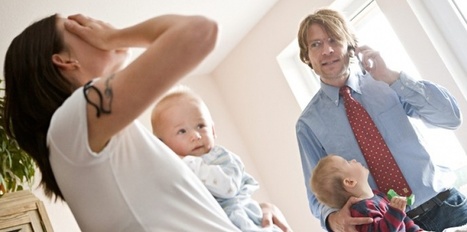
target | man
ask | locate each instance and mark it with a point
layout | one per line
(327, 45)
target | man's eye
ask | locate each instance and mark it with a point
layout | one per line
(315, 44)
(200, 126)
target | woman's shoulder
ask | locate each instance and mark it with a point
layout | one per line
(69, 113)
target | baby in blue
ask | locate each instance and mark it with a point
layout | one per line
(183, 122)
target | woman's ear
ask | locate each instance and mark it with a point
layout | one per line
(64, 63)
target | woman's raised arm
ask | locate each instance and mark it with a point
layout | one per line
(175, 45)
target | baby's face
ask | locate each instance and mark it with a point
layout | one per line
(187, 128)
(352, 168)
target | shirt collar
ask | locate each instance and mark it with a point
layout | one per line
(333, 92)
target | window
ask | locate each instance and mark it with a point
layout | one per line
(446, 24)
(374, 30)
(301, 79)
(461, 6)
(448, 34)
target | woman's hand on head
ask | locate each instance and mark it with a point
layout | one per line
(95, 32)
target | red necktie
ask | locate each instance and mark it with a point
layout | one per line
(379, 159)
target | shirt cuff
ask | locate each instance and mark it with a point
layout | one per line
(324, 218)
(328, 228)
(405, 85)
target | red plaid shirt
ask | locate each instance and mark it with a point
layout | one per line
(385, 218)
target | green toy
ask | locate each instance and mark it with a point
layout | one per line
(410, 199)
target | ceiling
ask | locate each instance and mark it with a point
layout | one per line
(235, 18)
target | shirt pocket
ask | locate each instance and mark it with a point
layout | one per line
(394, 125)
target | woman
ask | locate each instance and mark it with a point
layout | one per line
(72, 107)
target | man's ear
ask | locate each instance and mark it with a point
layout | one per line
(64, 63)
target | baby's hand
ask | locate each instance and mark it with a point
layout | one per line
(398, 202)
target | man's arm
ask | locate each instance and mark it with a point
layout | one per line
(310, 154)
(429, 101)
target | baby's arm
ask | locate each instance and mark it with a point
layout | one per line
(390, 220)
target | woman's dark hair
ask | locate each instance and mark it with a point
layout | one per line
(34, 89)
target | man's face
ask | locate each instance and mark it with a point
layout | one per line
(329, 57)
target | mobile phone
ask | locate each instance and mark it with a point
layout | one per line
(351, 48)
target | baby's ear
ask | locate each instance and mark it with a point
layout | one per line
(349, 183)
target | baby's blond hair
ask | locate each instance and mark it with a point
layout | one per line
(176, 92)
(327, 183)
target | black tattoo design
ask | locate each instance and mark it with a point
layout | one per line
(104, 105)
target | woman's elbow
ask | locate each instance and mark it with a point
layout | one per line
(203, 32)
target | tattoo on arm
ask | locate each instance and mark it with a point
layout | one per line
(104, 103)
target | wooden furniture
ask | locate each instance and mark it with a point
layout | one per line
(23, 212)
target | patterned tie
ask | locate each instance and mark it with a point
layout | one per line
(380, 161)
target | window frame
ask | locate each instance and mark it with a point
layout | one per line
(447, 34)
